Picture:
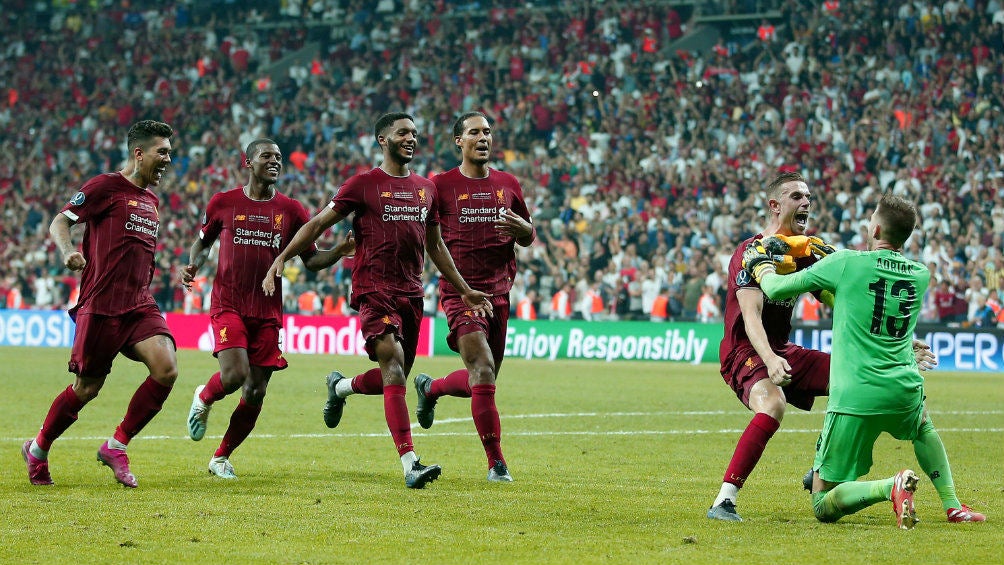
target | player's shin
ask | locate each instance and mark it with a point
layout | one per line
(62, 414)
(933, 459)
(242, 421)
(145, 404)
(486, 421)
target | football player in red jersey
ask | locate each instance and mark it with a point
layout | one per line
(252, 223)
(395, 222)
(483, 216)
(116, 312)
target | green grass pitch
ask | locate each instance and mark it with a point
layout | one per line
(614, 463)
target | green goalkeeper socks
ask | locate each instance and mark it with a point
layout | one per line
(933, 460)
(848, 498)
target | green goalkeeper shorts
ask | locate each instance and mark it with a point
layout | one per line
(844, 448)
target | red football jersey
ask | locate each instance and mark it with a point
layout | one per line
(468, 210)
(391, 214)
(122, 225)
(251, 234)
(776, 314)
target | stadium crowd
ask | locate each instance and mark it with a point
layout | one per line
(643, 163)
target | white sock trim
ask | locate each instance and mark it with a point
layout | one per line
(344, 388)
(407, 460)
(37, 451)
(729, 491)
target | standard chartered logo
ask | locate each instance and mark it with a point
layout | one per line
(257, 238)
(484, 214)
(395, 213)
(142, 225)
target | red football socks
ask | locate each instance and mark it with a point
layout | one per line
(214, 389)
(61, 416)
(242, 421)
(395, 409)
(486, 421)
(145, 404)
(456, 383)
(750, 448)
(370, 382)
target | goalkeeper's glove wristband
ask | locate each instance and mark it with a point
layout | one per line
(761, 269)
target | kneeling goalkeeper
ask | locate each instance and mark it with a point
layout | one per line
(875, 382)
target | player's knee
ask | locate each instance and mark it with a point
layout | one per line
(926, 427)
(772, 407)
(254, 393)
(825, 513)
(394, 376)
(823, 516)
(234, 379)
(482, 374)
(86, 393)
(166, 375)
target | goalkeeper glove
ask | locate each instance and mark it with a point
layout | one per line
(803, 245)
(785, 264)
(780, 252)
(819, 247)
(757, 261)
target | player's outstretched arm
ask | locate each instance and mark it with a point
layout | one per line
(59, 230)
(306, 235)
(328, 257)
(480, 302)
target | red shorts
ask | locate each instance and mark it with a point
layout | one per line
(259, 336)
(380, 314)
(461, 323)
(99, 339)
(810, 373)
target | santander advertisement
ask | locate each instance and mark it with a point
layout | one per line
(334, 335)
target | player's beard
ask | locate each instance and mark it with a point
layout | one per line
(477, 159)
(397, 151)
(155, 174)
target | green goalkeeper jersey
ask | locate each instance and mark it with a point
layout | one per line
(877, 301)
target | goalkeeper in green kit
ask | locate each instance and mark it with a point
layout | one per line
(875, 384)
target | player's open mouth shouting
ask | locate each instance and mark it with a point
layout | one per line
(158, 173)
(801, 220)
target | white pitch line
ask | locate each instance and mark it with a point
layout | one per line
(466, 420)
(508, 434)
(698, 413)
